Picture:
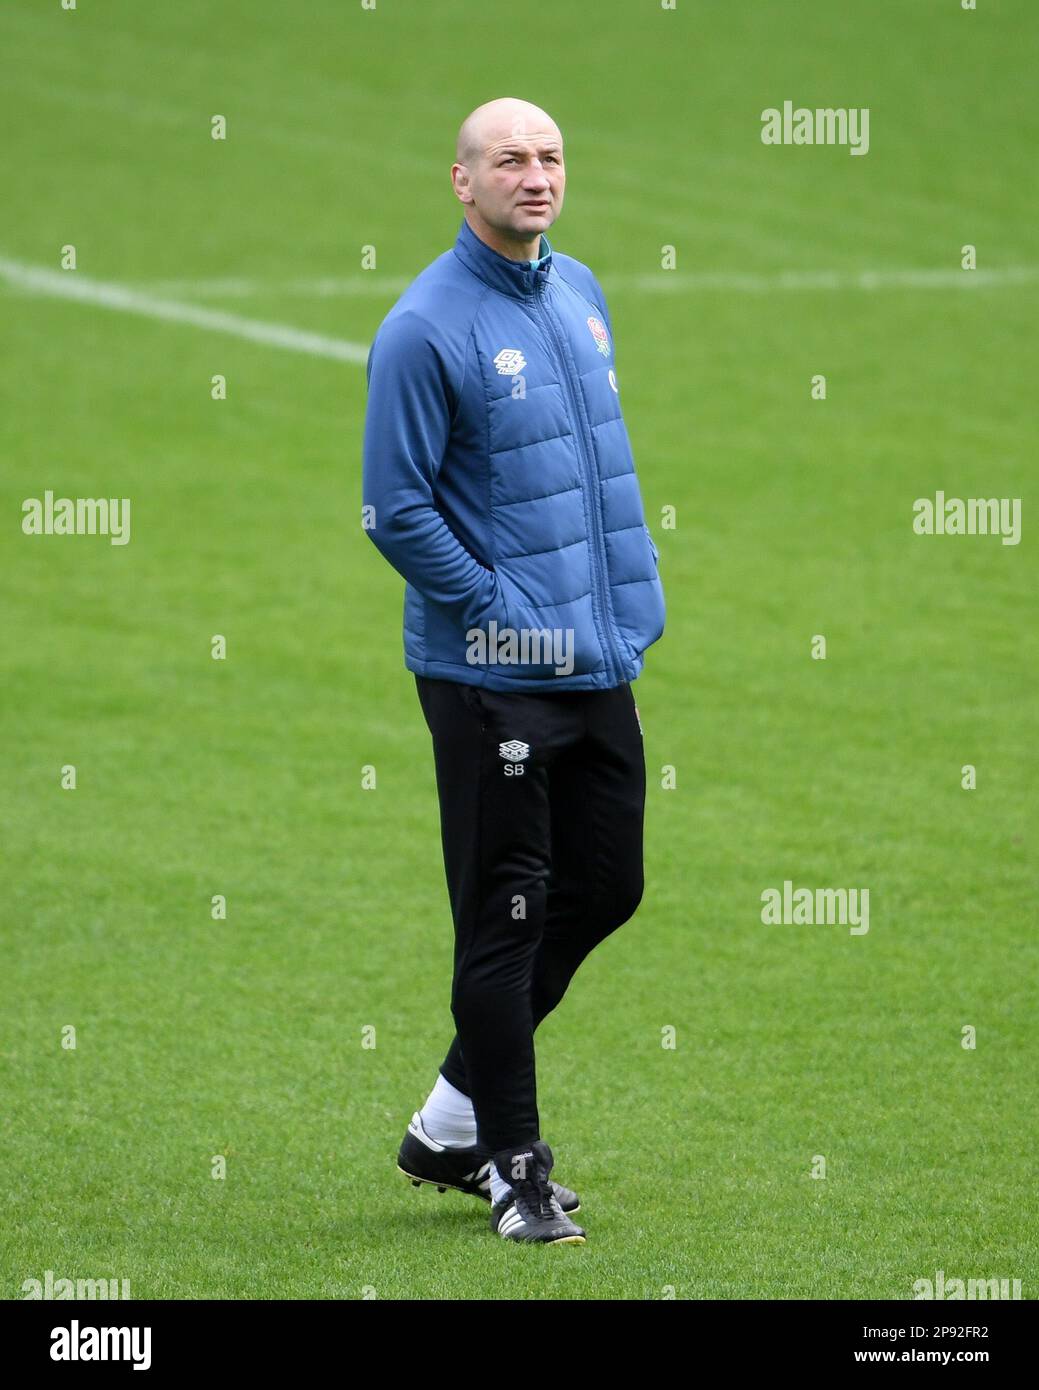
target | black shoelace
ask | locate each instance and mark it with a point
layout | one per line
(535, 1200)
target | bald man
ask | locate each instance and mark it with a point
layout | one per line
(499, 481)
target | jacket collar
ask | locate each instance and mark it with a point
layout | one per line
(515, 278)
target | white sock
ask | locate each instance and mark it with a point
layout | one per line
(448, 1116)
(499, 1187)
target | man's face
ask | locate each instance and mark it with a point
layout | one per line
(517, 182)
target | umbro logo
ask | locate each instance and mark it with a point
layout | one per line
(510, 361)
(514, 751)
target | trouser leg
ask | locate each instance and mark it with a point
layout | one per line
(597, 793)
(495, 830)
(597, 796)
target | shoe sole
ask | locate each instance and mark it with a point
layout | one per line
(559, 1240)
(416, 1181)
(440, 1186)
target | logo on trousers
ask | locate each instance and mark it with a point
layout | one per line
(514, 752)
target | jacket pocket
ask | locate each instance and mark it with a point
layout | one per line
(561, 639)
(652, 545)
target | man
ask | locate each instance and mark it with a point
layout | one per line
(499, 481)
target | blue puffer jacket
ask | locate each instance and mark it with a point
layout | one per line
(498, 475)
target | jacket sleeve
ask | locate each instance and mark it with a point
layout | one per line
(407, 427)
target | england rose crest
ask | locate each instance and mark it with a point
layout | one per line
(602, 341)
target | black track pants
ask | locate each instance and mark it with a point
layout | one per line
(541, 808)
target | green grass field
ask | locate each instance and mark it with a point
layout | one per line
(242, 777)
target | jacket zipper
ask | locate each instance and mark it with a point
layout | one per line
(599, 549)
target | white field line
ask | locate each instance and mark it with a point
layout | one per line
(72, 284)
(668, 281)
(372, 284)
(365, 285)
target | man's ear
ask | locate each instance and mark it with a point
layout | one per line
(460, 183)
